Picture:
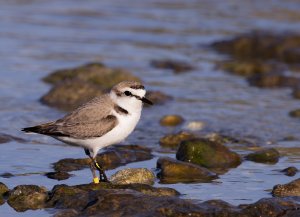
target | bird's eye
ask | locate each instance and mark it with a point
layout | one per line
(127, 93)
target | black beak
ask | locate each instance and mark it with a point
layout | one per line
(145, 100)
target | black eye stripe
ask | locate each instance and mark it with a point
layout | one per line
(128, 93)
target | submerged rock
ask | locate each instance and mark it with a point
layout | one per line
(173, 140)
(113, 157)
(4, 138)
(133, 175)
(174, 65)
(6, 175)
(174, 171)
(273, 80)
(171, 120)
(208, 154)
(60, 175)
(290, 171)
(286, 190)
(75, 86)
(296, 92)
(295, 113)
(158, 97)
(267, 155)
(24, 197)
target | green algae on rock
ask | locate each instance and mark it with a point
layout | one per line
(173, 140)
(171, 120)
(174, 171)
(286, 190)
(113, 157)
(208, 154)
(290, 171)
(24, 197)
(133, 175)
(267, 155)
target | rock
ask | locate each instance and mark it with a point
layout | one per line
(113, 157)
(273, 80)
(247, 68)
(207, 153)
(270, 207)
(67, 213)
(3, 189)
(95, 73)
(60, 175)
(267, 155)
(173, 140)
(262, 45)
(171, 120)
(133, 175)
(290, 171)
(296, 92)
(174, 171)
(195, 125)
(4, 138)
(75, 86)
(157, 97)
(286, 190)
(295, 113)
(70, 94)
(24, 197)
(174, 65)
(6, 175)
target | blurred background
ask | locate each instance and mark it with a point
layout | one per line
(229, 67)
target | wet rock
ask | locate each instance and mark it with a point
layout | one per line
(157, 97)
(24, 197)
(60, 175)
(173, 140)
(270, 207)
(296, 92)
(113, 157)
(67, 213)
(174, 171)
(290, 171)
(195, 125)
(295, 113)
(261, 45)
(133, 175)
(171, 120)
(71, 94)
(95, 73)
(174, 65)
(273, 80)
(247, 68)
(75, 86)
(207, 153)
(286, 190)
(6, 175)
(4, 138)
(267, 155)
(3, 189)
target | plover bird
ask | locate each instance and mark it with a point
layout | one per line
(103, 121)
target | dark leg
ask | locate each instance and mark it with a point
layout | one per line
(92, 167)
(94, 164)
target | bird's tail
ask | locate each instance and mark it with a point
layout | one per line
(41, 129)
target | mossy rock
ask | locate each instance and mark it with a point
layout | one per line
(174, 171)
(173, 140)
(290, 171)
(287, 190)
(3, 189)
(25, 197)
(132, 176)
(295, 113)
(208, 154)
(95, 73)
(267, 155)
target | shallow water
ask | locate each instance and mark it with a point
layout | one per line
(37, 37)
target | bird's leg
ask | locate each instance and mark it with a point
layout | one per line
(92, 166)
(103, 177)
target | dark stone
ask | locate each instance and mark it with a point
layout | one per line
(286, 190)
(290, 171)
(157, 97)
(6, 175)
(208, 154)
(273, 80)
(113, 157)
(67, 213)
(4, 138)
(174, 140)
(174, 65)
(267, 155)
(174, 171)
(60, 175)
(24, 197)
(3, 189)
(295, 113)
